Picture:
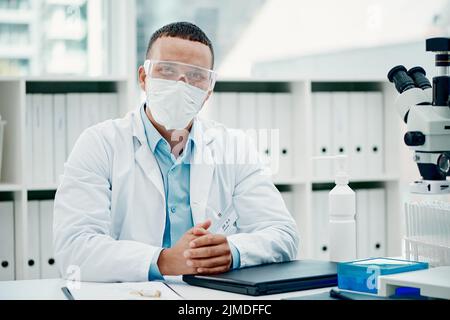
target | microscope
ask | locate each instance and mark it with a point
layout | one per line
(425, 109)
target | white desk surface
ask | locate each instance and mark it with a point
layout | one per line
(51, 290)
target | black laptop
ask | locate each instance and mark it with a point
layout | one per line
(271, 278)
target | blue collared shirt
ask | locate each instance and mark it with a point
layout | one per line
(175, 173)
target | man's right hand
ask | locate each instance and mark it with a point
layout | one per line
(171, 261)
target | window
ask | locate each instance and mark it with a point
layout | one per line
(221, 20)
(265, 38)
(39, 37)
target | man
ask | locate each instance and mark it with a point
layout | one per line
(155, 193)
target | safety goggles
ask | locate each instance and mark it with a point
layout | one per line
(199, 77)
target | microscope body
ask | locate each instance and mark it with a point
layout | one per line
(426, 111)
(429, 139)
(430, 122)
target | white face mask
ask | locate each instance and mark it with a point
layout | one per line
(173, 104)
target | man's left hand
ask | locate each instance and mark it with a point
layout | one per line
(210, 254)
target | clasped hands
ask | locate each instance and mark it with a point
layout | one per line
(197, 252)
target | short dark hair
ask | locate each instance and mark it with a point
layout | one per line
(182, 30)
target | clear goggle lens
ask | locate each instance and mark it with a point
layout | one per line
(177, 71)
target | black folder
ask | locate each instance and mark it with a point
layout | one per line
(271, 278)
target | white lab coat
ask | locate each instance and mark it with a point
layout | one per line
(110, 216)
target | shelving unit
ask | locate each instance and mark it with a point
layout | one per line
(5, 187)
(302, 183)
(382, 178)
(13, 108)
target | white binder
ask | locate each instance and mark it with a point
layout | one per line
(340, 133)
(47, 259)
(74, 116)
(7, 263)
(108, 106)
(375, 133)
(29, 156)
(247, 111)
(228, 112)
(358, 135)
(362, 224)
(320, 225)
(264, 124)
(211, 108)
(377, 222)
(60, 134)
(33, 263)
(288, 198)
(48, 142)
(90, 110)
(283, 117)
(104, 106)
(38, 139)
(115, 108)
(322, 134)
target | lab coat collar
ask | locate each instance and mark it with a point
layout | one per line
(202, 170)
(153, 136)
(138, 126)
(143, 155)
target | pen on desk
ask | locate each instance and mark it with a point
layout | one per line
(67, 293)
(173, 290)
(338, 295)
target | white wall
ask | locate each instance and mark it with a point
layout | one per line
(355, 64)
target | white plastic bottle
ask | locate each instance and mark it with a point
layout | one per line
(342, 210)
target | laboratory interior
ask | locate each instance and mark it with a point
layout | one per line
(312, 142)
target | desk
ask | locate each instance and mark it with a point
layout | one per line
(51, 290)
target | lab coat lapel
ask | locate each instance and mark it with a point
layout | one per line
(202, 170)
(147, 161)
(144, 156)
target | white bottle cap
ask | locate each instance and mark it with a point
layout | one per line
(341, 177)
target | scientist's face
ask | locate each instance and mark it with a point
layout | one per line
(179, 50)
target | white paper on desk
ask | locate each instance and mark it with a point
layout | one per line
(120, 291)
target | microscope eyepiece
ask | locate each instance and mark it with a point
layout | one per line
(418, 74)
(437, 44)
(399, 76)
(441, 47)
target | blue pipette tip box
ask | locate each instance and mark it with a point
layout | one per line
(362, 275)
